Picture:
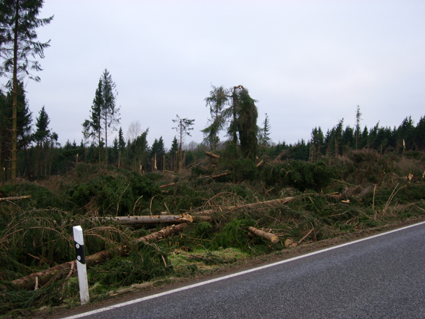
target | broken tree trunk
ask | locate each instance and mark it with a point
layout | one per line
(44, 276)
(260, 233)
(14, 198)
(210, 154)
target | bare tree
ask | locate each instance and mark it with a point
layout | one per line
(134, 130)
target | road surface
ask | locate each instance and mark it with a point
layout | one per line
(378, 277)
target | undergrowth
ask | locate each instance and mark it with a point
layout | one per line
(329, 197)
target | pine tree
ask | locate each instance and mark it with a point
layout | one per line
(42, 136)
(358, 118)
(23, 130)
(104, 114)
(246, 124)
(184, 126)
(218, 98)
(109, 111)
(174, 152)
(264, 133)
(18, 21)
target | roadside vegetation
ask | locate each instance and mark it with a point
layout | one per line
(319, 200)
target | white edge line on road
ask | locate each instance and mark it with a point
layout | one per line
(169, 292)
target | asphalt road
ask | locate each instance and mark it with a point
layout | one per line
(380, 277)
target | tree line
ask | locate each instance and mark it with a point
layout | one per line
(34, 152)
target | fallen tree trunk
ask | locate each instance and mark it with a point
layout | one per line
(167, 185)
(14, 198)
(221, 175)
(210, 154)
(154, 219)
(44, 276)
(269, 202)
(163, 233)
(273, 201)
(143, 220)
(260, 233)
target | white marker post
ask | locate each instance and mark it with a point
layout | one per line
(81, 264)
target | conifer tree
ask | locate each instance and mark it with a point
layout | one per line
(184, 126)
(218, 98)
(42, 136)
(104, 114)
(264, 132)
(18, 22)
(92, 128)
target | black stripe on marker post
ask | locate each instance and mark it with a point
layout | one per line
(81, 256)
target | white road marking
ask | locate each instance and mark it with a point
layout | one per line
(93, 312)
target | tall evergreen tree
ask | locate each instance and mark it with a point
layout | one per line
(158, 152)
(109, 111)
(104, 114)
(23, 129)
(42, 137)
(218, 98)
(92, 128)
(42, 124)
(18, 22)
(264, 132)
(246, 124)
(184, 126)
(358, 118)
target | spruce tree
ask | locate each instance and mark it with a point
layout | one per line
(104, 114)
(92, 128)
(18, 22)
(109, 111)
(218, 98)
(184, 126)
(246, 123)
(42, 137)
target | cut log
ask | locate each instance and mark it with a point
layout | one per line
(260, 233)
(14, 198)
(221, 175)
(163, 233)
(167, 185)
(269, 202)
(45, 276)
(210, 154)
(144, 220)
(154, 219)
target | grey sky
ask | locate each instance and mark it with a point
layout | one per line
(308, 63)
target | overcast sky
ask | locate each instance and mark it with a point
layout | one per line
(308, 63)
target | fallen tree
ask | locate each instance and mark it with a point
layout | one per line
(210, 154)
(153, 219)
(14, 198)
(260, 233)
(45, 276)
(250, 205)
(221, 175)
